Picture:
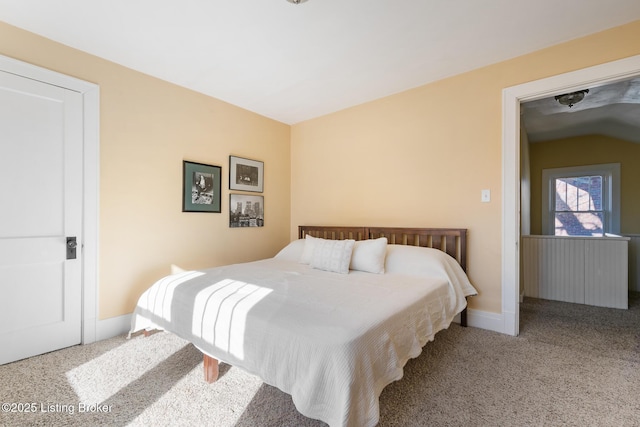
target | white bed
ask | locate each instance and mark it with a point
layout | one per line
(332, 340)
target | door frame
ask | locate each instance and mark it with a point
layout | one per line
(597, 75)
(91, 179)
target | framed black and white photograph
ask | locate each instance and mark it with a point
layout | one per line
(201, 188)
(246, 210)
(246, 174)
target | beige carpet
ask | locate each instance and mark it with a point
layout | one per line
(572, 365)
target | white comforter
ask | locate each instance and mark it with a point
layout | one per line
(332, 341)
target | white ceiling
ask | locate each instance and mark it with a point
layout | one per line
(296, 62)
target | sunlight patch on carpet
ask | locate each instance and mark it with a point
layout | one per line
(191, 400)
(102, 377)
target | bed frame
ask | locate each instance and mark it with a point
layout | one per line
(453, 241)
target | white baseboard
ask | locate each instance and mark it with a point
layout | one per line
(487, 320)
(109, 328)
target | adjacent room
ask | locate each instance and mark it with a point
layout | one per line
(580, 229)
(314, 212)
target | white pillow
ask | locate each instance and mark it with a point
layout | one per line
(292, 251)
(427, 262)
(369, 255)
(309, 246)
(332, 255)
(415, 260)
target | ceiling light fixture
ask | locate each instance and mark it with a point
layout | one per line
(296, 1)
(572, 98)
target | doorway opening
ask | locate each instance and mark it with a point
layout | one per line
(511, 167)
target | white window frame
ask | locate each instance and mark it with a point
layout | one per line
(610, 197)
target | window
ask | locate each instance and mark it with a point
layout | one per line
(581, 201)
(578, 206)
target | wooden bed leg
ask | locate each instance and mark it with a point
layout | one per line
(463, 318)
(210, 369)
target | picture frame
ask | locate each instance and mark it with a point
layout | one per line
(246, 174)
(246, 210)
(201, 187)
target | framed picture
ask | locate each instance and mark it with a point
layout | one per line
(246, 210)
(245, 174)
(200, 187)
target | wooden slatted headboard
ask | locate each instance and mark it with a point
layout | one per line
(450, 240)
(333, 233)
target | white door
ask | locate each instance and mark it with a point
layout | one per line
(40, 206)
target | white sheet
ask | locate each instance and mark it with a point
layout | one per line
(332, 341)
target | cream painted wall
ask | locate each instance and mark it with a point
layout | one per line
(589, 150)
(421, 157)
(148, 127)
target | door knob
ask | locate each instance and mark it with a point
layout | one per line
(72, 244)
